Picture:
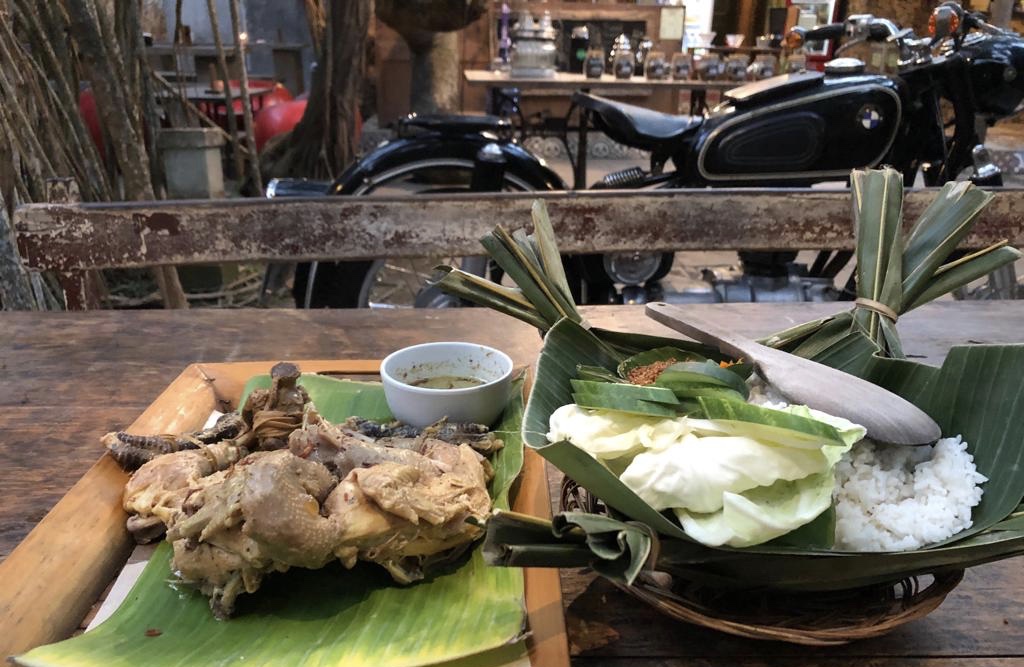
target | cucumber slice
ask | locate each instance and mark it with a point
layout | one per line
(629, 405)
(625, 391)
(773, 425)
(690, 373)
(707, 391)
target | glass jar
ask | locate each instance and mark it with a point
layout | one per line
(708, 66)
(533, 48)
(657, 66)
(594, 64)
(736, 67)
(682, 67)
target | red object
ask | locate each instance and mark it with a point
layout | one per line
(263, 93)
(87, 110)
(282, 117)
(277, 119)
(277, 95)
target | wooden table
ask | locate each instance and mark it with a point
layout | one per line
(69, 378)
(566, 83)
(606, 85)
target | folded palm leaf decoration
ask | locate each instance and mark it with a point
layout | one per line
(976, 393)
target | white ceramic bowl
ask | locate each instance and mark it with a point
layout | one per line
(422, 406)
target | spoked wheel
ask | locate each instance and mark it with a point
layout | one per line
(406, 282)
(398, 282)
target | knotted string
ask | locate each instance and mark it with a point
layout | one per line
(877, 307)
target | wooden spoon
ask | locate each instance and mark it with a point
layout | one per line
(887, 417)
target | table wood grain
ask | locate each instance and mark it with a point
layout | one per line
(69, 378)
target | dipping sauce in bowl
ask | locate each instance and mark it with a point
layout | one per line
(447, 382)
(464, 382)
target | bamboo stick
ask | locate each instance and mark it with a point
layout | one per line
(15, 288)
(222, 64)
(250, 137)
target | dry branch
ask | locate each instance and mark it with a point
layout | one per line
(243, 87)
(15, 288)
(222, 66)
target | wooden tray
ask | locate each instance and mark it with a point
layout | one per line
(53, 578)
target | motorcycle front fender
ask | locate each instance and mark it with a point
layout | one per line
(409, 153)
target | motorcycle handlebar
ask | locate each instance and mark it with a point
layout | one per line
(823, 32)
(879, 31)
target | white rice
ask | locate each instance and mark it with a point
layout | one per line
(764, 394)
(899, 498)
(896, 498)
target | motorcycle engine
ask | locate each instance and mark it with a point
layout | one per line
(789, 288)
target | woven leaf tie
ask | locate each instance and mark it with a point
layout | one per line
(877, 307)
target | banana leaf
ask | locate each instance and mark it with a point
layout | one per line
(896, 275)
(547, 248)
(789, 569)
(977, 393)
(332, 616)
(878, 210)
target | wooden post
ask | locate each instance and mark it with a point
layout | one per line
(81, 288)
(1002, 12)
(745, 22)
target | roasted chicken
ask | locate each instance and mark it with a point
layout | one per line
(290, 489)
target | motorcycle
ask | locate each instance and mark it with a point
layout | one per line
(925, 116)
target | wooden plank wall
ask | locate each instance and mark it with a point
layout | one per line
(77, 237)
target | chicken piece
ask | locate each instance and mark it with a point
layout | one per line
(342, 451)
(222, 574)
(262, 516)
(399, 516)
(155, 492)
(275, 510)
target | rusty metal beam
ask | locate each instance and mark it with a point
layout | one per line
(86, 236)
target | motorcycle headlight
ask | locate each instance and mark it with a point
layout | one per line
(632, 268)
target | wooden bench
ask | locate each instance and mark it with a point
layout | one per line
(71, 239)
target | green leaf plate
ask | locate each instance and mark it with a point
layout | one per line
(472, 614)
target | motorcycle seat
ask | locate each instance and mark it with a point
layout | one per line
(636, 126)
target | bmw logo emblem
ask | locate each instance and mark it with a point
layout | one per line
(870, 116)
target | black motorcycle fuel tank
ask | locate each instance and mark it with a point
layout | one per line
(996, 66)
(798, 129)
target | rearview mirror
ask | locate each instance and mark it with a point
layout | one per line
(795, 38)
(944, 22)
